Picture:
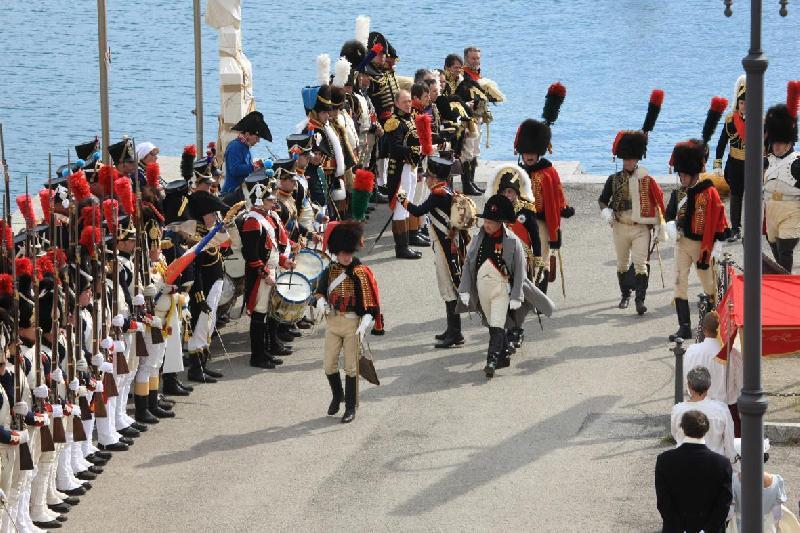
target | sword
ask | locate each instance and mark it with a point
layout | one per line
(391, 215)
(660, 264)
(561, 271)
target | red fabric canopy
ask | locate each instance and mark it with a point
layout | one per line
(780, 314)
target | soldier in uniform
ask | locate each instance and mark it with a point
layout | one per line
(404, 157)
(695, 217)
(782, 179)
(515, 186)
(348, 288)
(633, 204)
(493, 278)
(531, 143)
(123, 156)
(207, 287)
(449, 245)
(733, 136)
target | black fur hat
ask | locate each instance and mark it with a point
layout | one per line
(346, 237)
(689, 157)
(533, 137)
(353, 51)
(630, 144)
(779, 125)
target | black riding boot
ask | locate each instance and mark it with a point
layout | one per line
(335, 381)
(153, 407)
(473, 167)
(641, 292)
(496, 342)
(258, 349)
(414, 239)
(624, 290)
(736, 218)
(143, 414)
(401, 249)
(684, 320)
(453, 336)
(196, 372)
(205, 357)
(274, 345)
(786, 253)
(172, 386)
(349, 399)
(466, 180)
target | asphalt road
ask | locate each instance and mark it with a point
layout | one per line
(563, 440)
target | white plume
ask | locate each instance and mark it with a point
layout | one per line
(740, 82)
(323, 69)
(341, 71)
(492, 90)
(362, 29)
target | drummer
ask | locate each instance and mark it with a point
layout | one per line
(299, 146)
(286, 205)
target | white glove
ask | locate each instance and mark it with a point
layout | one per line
(98, 387)
(74, 384)
(82, 391)
(2, 496)
(119, 346)
(366, 323)
(107, 343)
(608, 215)
(106, 367)
(514, 304)
(97, 359)
(76, 411)
(41, 392)
(23, 436)
(81, 365)
(321, 304)
(138, 299)
(21, 408)
(57, 375)
(716, 252)
(155, 322)
(672, 230)
(464, 297)
(186, 314)
(150, 291)
(58, 411)
(118, 321)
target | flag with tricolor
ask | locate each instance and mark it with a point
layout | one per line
(180, 264)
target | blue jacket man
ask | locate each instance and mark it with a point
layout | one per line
(238, 161)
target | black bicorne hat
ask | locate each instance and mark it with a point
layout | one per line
(86, 150)
(498, 208)
(122, 152)
(440, 167)
(254, 123)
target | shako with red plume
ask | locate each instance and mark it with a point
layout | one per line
(25, 204)
(423, 124)
(24, 267)
(90, 236)
(552, 102)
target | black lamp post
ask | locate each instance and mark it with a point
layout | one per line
(752, 402)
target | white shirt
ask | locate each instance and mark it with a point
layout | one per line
(726, 377)
(720, 431)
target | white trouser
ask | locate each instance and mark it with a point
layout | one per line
(87, 448)
(381, 166)
(493, 293)
(106, 434)
(149, 366)
(408, 182)
(201, 336)
(39, 511)
(173, 355)
(65, 479)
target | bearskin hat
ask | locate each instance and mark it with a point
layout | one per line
(346, 237)
(780, 126)
(533, 137)
(354, 52)
(630, 144)
(689, 157)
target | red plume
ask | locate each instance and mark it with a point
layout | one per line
(78, 186)
(111, 214)
(153, 173)
(616, 142)
(657, 97)
(423, 123)
(124, 191)
(25, 204)
(190, 149)
(793, 97)
(44, 198)
(6, 284)
(557, 89)
(107, 175)
(57, 256)
(44, 265)
(719, 104)
(6, 235)
(364, 180)
(24, 267)
(377, 48)
(89, 237)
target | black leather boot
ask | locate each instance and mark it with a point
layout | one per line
(642, 281)
(195, 372)
(335, 381)
(468, 185)
(143, 414)
(452, 336)
(349, 399)
(786, 253)
(154, 408)
(205, 358)
(624, 290)
(736, 219)
(258, 351)
(274, 346)
(414, 239)
(172, 386)
(473, 167)
(183, 385)
(684, 320)
(401, 249)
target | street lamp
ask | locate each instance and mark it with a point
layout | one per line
(752, 402)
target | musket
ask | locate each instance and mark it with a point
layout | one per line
(381, 233)
(75, 332)
(25, 458)
(109, 383)
(97, 399)
(6, 257)
(45, 435)
(120, 358)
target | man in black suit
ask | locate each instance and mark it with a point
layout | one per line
(693, 484)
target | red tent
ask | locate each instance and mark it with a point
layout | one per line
(780, 315)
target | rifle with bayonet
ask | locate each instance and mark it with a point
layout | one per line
(97, 399)
(109, 383)
(120, 360)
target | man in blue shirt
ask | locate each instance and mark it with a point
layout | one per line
(238, 161)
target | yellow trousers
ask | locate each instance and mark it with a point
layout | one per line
(687, 253)
(340, 336)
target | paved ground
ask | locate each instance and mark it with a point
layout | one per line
(564, 440)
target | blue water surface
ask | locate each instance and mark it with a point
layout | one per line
(608, 53)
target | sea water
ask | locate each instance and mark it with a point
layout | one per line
(609, 53)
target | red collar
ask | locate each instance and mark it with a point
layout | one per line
(440, 188)
(497, 234)
(472, 74)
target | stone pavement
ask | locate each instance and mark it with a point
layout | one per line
(563, 440)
